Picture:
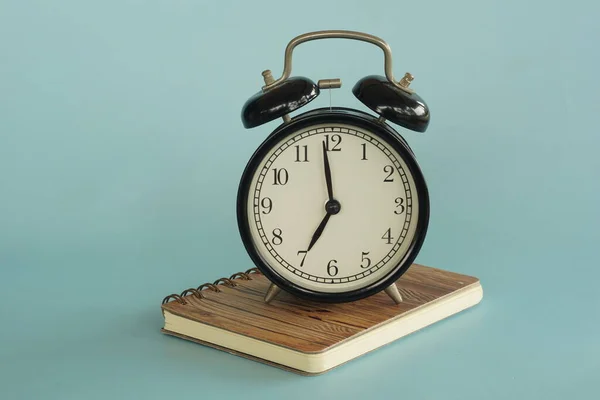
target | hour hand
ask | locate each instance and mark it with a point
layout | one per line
(327, 172)
(318, 232)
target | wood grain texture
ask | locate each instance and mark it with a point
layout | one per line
(306, 326)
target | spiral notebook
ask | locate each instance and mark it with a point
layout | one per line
(309, 337)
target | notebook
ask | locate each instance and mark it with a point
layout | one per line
(308, 337)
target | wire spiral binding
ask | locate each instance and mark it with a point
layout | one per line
(177, 297)
(240, 275)
(209, 286)
(197, 292)
(224, 281)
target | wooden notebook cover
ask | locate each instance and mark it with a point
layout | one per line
(306, 326)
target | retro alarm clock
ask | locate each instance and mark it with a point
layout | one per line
(333, 206)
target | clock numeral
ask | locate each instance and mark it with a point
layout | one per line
(367, 259)
(301, 155)
(303, 257)
(332, 268)
(335, 140)
(388, 169)
(387, 236)
(364, 148)
(399, 205)
(280, 176)
(266, 203)
(277, 238)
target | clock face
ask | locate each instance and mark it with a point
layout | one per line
(337, 237)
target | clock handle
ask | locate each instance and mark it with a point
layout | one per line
(402, 84)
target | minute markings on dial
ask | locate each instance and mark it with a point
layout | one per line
(261, 180)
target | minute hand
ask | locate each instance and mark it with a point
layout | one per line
(327, 172)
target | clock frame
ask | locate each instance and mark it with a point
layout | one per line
(374, 126)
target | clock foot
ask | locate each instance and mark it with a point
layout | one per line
(271, 293)
(393, 292)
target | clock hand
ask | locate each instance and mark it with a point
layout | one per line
(332, 207)
(318, 232)
(327, 172)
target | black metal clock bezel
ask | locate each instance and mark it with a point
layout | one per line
(342, 116)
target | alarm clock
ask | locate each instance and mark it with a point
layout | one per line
(332, 206)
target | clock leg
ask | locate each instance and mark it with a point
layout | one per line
(393, 292)
(271, 293)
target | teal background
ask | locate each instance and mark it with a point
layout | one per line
(121, 147)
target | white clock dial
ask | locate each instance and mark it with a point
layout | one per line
(378, 208)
